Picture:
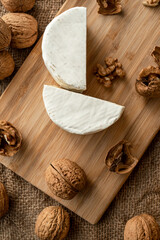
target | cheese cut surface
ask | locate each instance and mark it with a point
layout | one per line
(64, 49)
(78, 113)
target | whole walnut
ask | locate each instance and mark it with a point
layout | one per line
(18, 5)
(65, 178)
(142, 227)
(7, 65)
(24, 29)
(5, 35)
(4, 201)
(52, 223)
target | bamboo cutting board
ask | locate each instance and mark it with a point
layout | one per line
(130, 37)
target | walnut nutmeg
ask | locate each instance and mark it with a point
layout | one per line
(4, 200)
(142, 227)
(24, 29)
(52, 223)
(65, 178)
(5, 35)
(7, 65)
(18, 5)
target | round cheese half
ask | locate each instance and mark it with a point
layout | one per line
(78, 113)
(64, 49)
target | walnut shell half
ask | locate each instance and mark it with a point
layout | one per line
(10, 139)
(52, 223)
(151, 3)
(119, 158)
(156, 55)
(142, 227)
(4, 201)
(18, 5)
(7, 65)
(148, 82)
(65, 178)
(24, 29)
(109, 7)
(5, 35)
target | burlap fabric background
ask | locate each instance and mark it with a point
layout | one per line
(141, 193)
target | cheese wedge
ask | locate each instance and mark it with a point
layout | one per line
(64, 49)
(78, 113)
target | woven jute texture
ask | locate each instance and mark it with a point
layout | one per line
(141, 192)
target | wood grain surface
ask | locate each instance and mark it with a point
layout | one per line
(129, 36)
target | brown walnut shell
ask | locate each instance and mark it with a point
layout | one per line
(119, 158)
(65, 178)
(52, 223)
(156, 55)
(24, 29)
(5, 35)
(7, 65)
(142, 227)
(10, 139)
(109, 7)
(148, 82)
(4, 201)
(151, 3)
(18, 5)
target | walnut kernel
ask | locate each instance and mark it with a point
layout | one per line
(112, 71)
(52, 223)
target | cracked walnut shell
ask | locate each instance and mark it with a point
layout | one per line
(142, 227)
(151, 3)
(7, 65)
(4, 201)
(5, 35)
(148, 82)
(24, 29)
(109, 7)
(10, 139)
(18, 5)
(156, 55)
(119, 158)
(52, 223)
(65, 178)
